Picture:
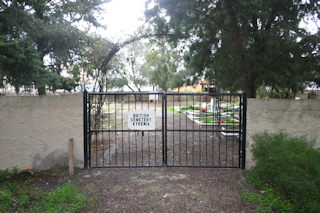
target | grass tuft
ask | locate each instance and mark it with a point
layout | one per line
(17, 194)
(65, 199)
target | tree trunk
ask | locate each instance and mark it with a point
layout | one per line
(251, 90)
(42, 91)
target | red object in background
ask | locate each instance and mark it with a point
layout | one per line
(221, 122)
(203, 110)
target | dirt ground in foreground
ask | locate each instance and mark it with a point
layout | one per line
(162, 189)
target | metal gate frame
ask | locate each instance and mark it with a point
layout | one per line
(242, 131)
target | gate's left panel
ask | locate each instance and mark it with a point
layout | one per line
(110, 143)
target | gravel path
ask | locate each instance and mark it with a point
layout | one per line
(164, 189)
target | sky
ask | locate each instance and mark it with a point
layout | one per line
(122, 18)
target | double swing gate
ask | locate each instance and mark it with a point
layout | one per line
(155, 129)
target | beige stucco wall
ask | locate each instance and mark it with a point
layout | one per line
(34, 131)
(295, 117)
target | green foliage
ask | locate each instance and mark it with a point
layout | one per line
(228, 120)
(190, 107)
(221, 119)
(92, 64)
(65, 198)
(172, 110)
(178, 79)
(17, 194)
(208, 120)
(4, 174)
(31, 30)
(162, 64)
(128, 69)
(186, 107)
(231, 127)
(291, 167)
(208, 114)
(263, 93)
(5, 200)
(267, 202)
(244, 44)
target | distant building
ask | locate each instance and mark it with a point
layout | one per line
(201, 86)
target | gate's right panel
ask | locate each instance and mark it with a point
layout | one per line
(204, 130)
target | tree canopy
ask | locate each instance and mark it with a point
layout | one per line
(162, 63)
(244, 44)
(41, 38)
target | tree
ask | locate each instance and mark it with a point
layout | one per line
(91, 67)
(133, 69)
(45, 33)
(178, 80)
(244, 44)
(162, 62)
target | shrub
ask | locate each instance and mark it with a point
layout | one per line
(291, 166)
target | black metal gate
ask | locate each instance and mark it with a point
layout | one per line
(190, 129)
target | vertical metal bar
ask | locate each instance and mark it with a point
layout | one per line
(219, 134)
(186, 132)
(85, 130)
(179, 99)
(240, 130)
(142, 134)
(163, 131)
(155, 133)
(244, 130)
(122, 99)
(207, 130)
(89, 114)
(173, 142)
(109, 127)
(96, 125)
(135, 132)
(149, 132)
(166, 130)
(228, 97)
(102, 139)
(199, 135)
(212, 138)
(129, 131)
(115, 128)
(193, 131)
(233, 128)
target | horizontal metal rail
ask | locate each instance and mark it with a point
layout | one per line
(161, 93)
(226, 167)
(125, 93)
(169, 130)
(128, 167)
(202, 94)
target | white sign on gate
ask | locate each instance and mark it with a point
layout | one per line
(141, 120)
